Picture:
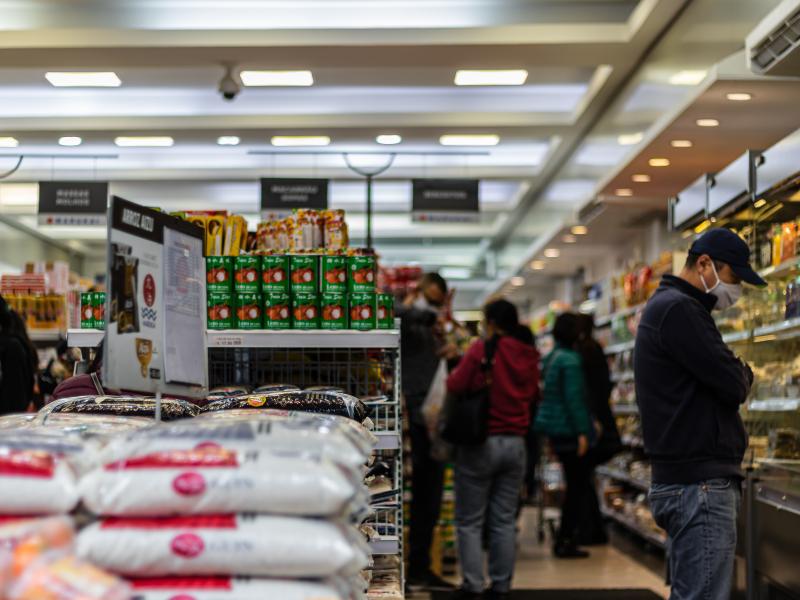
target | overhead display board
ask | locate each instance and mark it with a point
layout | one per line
(73, 202)
(445, 200)
(691, 203)
(731, 183)
(280, 195)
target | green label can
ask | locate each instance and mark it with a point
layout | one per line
(219, 273)
(248, 311)
(99, 310)
(305, 272)
(334, 274)
(87, 313)
(277, 310)
(305, 311)
(385, 313)
(275, 273)
(363, 273)
(220, 310)
(333, 311)
(247, 274)
(362, 311)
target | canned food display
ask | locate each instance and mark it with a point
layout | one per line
(333, 311)
(220, 310)
(362, 268)
(277, 311)
(362, 311)
(219, 273)
(99, 310)
(87, 314)
(334, 274)
(385, 314)
(248, 311)
(305, 311)
(275, 273)
(304, 270)
(247, 274)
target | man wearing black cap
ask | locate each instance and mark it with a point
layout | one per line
(689, 387)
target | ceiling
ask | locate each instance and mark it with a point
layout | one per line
(597, 69)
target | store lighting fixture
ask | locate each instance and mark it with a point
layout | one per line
(739, 96)
(389, 139)
(658, 162)
(300, 140)
(630, 139)
(8, 142)
(623, 192)
(681, 143)
(469, 140)
(640, 178)
(228, 140)
(759, 203)
(707, 122)
(569, 239)
(579, 230)
(70, 140)
(517, 281)
(83, 79)
(702, 226)
(277, 78)
(688, 77)
(537, 265)
(152, 141)
(552, 252)
(491, 77)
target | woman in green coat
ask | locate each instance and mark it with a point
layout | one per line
(564, 418)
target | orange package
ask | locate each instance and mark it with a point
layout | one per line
(61, 576)
(25, 540)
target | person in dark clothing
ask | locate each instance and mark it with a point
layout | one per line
(421, 351)
(85, 384)
(20, 331)
(689, 387)
(16, 376)
(489, 476)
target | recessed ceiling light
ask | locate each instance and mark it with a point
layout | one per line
(569, 239)
(623, 192)
(83, 79)
(277, 78)
(537, 265)
(579, 230)
(70, 140)
(658, 162)
(630, 139)
(491, 77)
(640, 178)
(300, 140)
(228, 140)
(707, 122)
(681, 143)
(389, 139)
(8, 142)
(552, 252)
(759, 203)
(152, 141)
(517, 281)
(739, 96)
(469, 140)
(688, 77)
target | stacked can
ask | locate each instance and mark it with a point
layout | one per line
(93, 310)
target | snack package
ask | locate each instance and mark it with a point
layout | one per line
(215, 235)
(235, 235)
(275, 387)
(171, 408)
(25, 540)
(258, 546)
(333, 403)
(236, 588)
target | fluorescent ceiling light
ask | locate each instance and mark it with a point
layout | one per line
(455, 272)
(681, 143)
(537, 265)
(70, 140)
(623, 192)
(277, 78)
(640, 178)
(517, 281)
(738, 96)
(569, 239)
(630, 139)
(83, 79)
(469, 140)
(389, 139)
(228, 140)
(491, 77)
(8, 142)
(707, 122)
(579, 230)
(688, 77)
(300, 140)
(759, 203)
(552, 252)
(658, 162)
(151, 141)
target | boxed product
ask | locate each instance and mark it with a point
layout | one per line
(247, 274)
(305, 311)
(362, 311)
(304, 272)
(220, 310)
(334, 274)
(248, 311)
(275, 273)
(333, 310)
(363, 270)
(385, 315)
(219, 274)
(277, 310)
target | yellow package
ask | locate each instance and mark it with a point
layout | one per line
(198, 220)
(235, 235)
(215, 235)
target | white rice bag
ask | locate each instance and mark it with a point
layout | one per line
(235, 588)
(210, 480)
(258, 546)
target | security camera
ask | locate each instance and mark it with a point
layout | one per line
(229, 85)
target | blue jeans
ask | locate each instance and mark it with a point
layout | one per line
(700, 521)
(488, 481)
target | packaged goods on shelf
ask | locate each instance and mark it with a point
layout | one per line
(38, 310)
(275, 273)
(237, 588)
(304, 401)
(304, 230)
(171, 408)
(249, 309)
(225, 235)
(93, 310)
(275, 387)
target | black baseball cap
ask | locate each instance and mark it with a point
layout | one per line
(725, 246)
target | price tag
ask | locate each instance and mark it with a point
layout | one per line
(226, 341)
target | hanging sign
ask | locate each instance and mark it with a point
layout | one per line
(283, 195)
(445, 201)
(156, 303)
(73, 202)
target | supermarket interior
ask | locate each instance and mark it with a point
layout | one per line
(379, 269)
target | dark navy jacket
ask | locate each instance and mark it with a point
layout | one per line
(689, 386)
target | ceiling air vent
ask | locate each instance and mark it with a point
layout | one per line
(773, 47)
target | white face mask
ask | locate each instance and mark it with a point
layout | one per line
(727, 294)
(421, 303)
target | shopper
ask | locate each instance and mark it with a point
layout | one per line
(689, 386)
(19, 330)
(422, 349)
(16, 375)
(85, 384)
(564, 418)
(488, 477)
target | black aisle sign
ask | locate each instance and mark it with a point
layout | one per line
(73, 202)
(282, 195)
(445, 200)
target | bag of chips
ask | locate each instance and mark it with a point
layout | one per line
(332, 403)
(171, 408)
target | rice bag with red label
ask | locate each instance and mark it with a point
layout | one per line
(235, 588)
(258, 546)
(332, 403)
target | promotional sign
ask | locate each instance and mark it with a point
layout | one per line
(73, 202)
(156, 308)
(445, 201)
(283, 195)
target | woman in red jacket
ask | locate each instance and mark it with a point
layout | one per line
(488, 477)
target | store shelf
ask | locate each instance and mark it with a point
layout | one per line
(260, 338)
(654, 538)
(45, 335)
(783, 268)
(387, 440)
(625, 312)
(625, 409)
(774, 405)
(84, 338)
(619, 475)
(734, 337)
(617, 348)
(386, 544)
(620, 377)
(789, 326)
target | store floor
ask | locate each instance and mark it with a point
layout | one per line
(607, 568)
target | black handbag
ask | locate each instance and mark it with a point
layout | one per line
(466, 418)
